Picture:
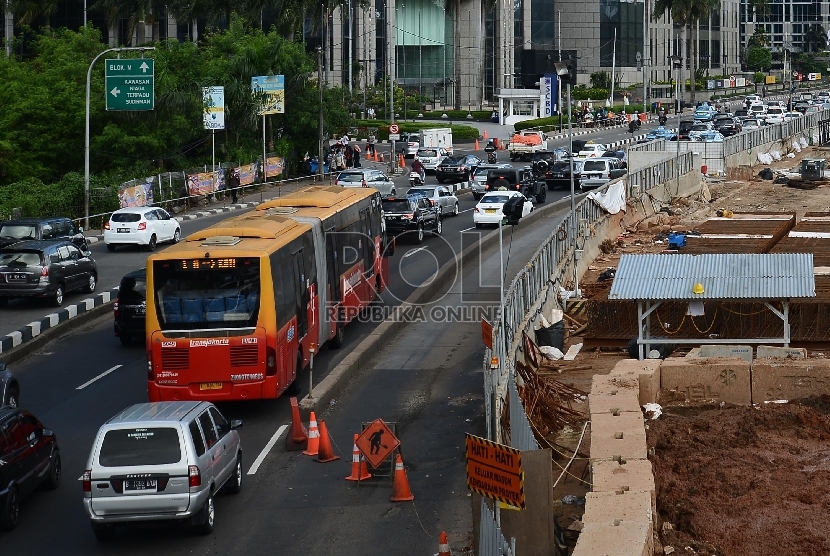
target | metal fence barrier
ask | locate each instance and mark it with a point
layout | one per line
(491, 541)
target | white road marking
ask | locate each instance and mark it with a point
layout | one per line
(413, 251)
(468, 210)
(102, 375)
(467, 230)
(261, 457)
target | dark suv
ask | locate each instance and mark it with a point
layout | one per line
(9, 388)
(517, 179)
(130, 306)
(45, 269)
(413, 213)
(22, 229)
(543, 160)
(684, 129)
(30, 457)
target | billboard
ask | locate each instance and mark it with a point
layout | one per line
(273, 87)
(548, 89)
(213, 103)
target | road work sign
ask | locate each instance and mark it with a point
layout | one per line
(495, 471)
(376, 442)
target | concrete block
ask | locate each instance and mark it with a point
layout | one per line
(618, 436)
(648, 372)
(719, 350)
(694, 352)
(720, 379)
(765, 352)
(605, 508)
(635, 475)
(788, 379)
(614, 401)
(626, 538)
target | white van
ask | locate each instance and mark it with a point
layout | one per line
(161, 461)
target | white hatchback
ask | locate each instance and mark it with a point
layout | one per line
(145, 226)
(431, 157)
(489, 208)
(592, 150)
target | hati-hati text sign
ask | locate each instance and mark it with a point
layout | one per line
(495, 471)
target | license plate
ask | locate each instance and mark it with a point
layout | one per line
(15, 277)
(210, 386)
(490, 211)
(142, 485)
(123, 230)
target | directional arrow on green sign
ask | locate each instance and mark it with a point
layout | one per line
(130, 84)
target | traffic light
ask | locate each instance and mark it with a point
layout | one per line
(513, 209)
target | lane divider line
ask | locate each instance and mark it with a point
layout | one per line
(413, 251)
(261, 457)
(102, 375)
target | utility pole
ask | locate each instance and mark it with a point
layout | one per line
(645, 58)
(320, 161)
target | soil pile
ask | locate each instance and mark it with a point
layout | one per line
(739, 481)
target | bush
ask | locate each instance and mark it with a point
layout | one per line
(64, 198)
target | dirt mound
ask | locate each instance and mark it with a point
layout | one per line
(744, 480)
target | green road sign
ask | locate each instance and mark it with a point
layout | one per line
(130, 84)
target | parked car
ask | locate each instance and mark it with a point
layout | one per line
(442, 198)
(457, 168)
(597, 172)
(517, 179)
(45, 269)
(431, 157)
(560, 174)
(489, 208)
(9, 388)
(20, 229)
(161, 461)
(479, 180)
(366, 178)
(30, 457)
(409, 144)
(412, 213)
(130, 307)
(146, 226)
(727, 125)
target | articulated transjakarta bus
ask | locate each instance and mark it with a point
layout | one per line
(233, 311)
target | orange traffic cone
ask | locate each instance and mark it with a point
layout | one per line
(297, 439)
(382, 158)
(376, 156)
(401, 161)
(477, 145)
(400, 484)
(360, 471)
(368, 155)
(485, 134)
(443, 545)
(325, 454)
(313, 437)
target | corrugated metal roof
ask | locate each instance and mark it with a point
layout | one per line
(723, 276)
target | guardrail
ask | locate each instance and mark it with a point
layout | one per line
(659, 173)
(771, 133)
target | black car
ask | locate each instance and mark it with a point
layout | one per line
(684, 129)
(45, 269)
(130, 306)
(741, 113)
(21, 229)
(728, 125)
(30, 457)
(413, 213)
(458, 168)
(560, 175)
(541, 161)
(517, 179)
(9, 388)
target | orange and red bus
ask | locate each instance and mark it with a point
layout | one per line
(233, 311)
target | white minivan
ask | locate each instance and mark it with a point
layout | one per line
(161, 461)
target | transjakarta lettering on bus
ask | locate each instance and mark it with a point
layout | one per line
(209, 342)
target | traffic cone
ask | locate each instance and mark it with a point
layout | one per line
(400, 484)
(313, 437)
(401, 161)
(297, 439)
(484, 136)
(376, 155)
(382, 158)
(325, 454)
(360, 471)
(368, 155)
(477, 145)
(443, 545)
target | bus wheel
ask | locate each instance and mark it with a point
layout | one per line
(339, 337)
(294, 388)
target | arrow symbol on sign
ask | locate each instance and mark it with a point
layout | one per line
(115, 91)
(144, 67)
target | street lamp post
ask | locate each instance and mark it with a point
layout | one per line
(563, 73)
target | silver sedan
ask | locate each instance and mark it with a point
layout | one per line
(440, 197)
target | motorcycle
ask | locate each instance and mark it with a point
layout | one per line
(663, 119)
(416, 179)
(491, 157)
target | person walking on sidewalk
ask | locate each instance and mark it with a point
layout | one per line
(370, 145)
(233, 184)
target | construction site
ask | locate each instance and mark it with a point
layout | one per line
(712, 442)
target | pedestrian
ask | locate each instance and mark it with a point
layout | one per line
(349, 156)
(764, 91)
(345, 139)
(371, 112)
(340, 160)
(370, 146)
(233, 184)
(356, 156)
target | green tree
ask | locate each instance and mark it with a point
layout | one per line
(600, 80)
(700, 10)
(758, 39)
(759, 59)
(815, 38)
(682, 13)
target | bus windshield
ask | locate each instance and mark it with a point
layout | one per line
(207, 293)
